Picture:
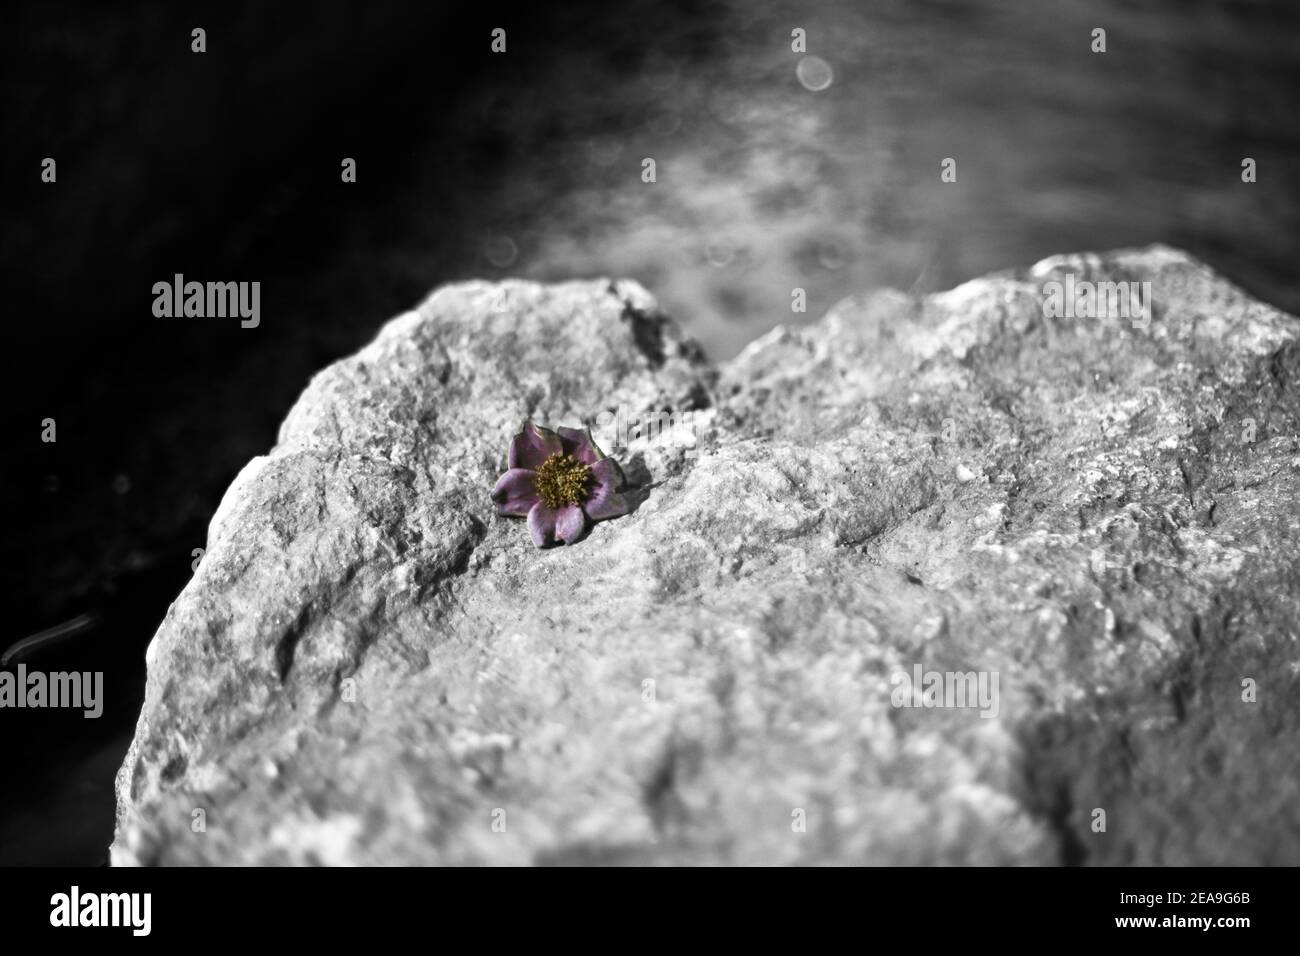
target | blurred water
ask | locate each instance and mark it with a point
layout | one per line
(764, 185)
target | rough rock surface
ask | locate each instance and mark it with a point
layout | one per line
(369, 666)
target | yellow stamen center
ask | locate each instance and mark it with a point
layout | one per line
(562, 480)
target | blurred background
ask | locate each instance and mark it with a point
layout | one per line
(775, 170)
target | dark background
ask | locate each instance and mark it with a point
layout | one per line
(225, 166)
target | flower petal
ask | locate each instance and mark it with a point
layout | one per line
(570, 524)
(578, 443)
(541, 524)
(533, 445)
(515, 493)
(606, 501)
(607, 472)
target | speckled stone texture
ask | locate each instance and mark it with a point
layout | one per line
(370, 666)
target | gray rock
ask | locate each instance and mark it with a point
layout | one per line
(370, 666)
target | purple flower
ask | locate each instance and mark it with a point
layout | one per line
(559, 480)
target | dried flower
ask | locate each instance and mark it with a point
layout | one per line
(559, 480)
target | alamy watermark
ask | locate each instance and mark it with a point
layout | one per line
(130, 910)
(1084, 299)
(210, 300)
(76, 690)
(617, 429)
(958, 689)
